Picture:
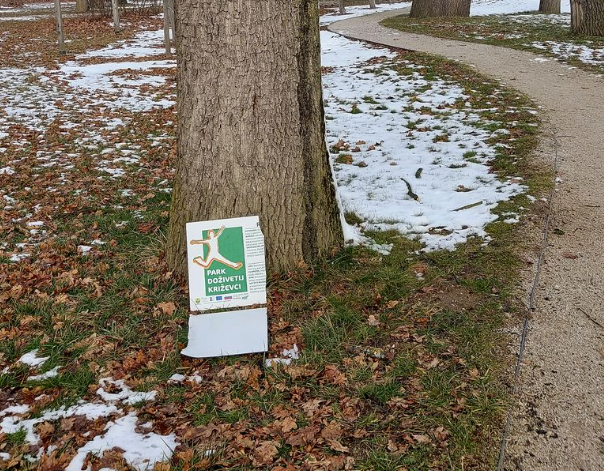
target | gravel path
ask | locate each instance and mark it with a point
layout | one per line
(558, 424)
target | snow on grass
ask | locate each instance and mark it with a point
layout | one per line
(140, 450)
(16, 423)
(32, 359)
(533, 19)
(49, 374)
(119, 91)
(288, 355)
(125, 394)
(566, 51)
(84, 249)
(143, 44)
(26, 101)
(120, 81)
(502, 7)
(405, 156)
(353, 12)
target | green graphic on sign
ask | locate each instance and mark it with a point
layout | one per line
(224, 262)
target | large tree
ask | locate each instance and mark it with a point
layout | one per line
(587, 17)
(549, 6)
(251, 126)
(435, 8)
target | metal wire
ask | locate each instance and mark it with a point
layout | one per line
(531, 304)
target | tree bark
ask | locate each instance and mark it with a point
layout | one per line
(59, 25)
(169, 23)
(371, 3)
(550, 6)
(342, 7)
(251, 127)
(115, 10)
(587, 17)
(436, 8)
(81, 6)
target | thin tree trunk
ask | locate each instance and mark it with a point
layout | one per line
(371, 3)
(342, 7)
(59, 20)
(550, 6)
(81, 6)
(251, 127)
(169, 23)
(587, 17)
(116, 16)
(435, 8)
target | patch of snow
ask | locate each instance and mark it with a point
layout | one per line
(287, 357)
(49, 374)
(355, 11)
(141, 451)
(143, 44)
(12, 424)
(17, 257)
(504, 7)
(126, 395)
(84, 249)
(32, 359)
(376, 113)
(195, 378)
(16, 409)
(101, 82)
(586, 54)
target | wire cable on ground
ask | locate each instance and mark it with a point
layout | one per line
(531, 303)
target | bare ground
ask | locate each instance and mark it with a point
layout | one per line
(558, 422)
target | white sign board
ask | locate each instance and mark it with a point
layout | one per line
(226, 263)
(227, 333)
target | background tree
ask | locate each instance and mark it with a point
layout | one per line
(81, 6)
(371, 3)
(251, 126)
(550, 6)
(587, 17)
(435, 8)
(341, 7)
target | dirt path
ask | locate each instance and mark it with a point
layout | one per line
(558, 424)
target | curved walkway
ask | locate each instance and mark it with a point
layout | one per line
(558, 424)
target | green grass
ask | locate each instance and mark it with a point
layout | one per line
(502, 30)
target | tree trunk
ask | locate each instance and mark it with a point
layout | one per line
(371, 3)
(81, 6)
(435, 8)
(59, 25)
(550, 6)
(587, 17)
(342, 8)
(251, 127)
(169, 23)
(115, 10)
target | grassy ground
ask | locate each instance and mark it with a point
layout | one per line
(515, 31)
(401, 367)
